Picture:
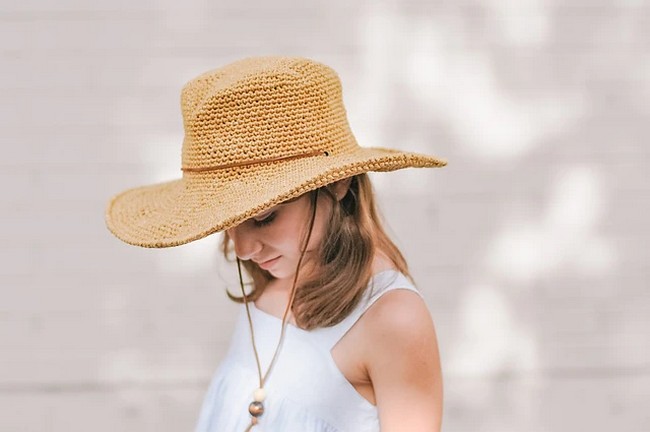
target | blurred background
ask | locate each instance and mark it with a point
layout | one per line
(531, 246)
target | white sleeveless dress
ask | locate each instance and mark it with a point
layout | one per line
(306, 392)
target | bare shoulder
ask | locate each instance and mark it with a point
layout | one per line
(403, 363)
(398, 313)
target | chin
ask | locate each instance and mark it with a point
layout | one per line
(282, 272)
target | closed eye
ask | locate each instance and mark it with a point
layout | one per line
(266, 220)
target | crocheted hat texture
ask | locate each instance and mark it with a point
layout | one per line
(258, 132)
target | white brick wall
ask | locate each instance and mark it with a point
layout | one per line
(530, 247)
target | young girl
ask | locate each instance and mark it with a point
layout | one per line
(332, 334)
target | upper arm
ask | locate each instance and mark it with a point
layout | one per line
(404, 364)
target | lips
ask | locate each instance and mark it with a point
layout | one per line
(268, 263)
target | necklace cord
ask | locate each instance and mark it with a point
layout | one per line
(250, 322)
(262, 379)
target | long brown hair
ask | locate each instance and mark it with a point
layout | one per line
(352, 237)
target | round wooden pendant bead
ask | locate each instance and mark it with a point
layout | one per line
(256, 408)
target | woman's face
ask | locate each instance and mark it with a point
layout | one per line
(273, 239)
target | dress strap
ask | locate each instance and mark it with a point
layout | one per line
(379, 284)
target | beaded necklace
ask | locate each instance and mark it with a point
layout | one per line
(256, 408)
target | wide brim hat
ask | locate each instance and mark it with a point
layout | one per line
(258, 132)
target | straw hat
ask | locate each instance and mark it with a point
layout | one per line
(258, 132)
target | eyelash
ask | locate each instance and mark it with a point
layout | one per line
(266, 221)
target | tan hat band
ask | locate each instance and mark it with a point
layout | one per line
(255, 162)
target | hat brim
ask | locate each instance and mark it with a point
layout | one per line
(199, 204)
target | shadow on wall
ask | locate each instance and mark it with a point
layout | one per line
(537, 108)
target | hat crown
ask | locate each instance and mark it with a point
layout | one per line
(263, 108)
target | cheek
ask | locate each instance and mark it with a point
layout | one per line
(286, 235)
(283, 238)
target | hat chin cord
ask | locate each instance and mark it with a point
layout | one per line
(256, 408)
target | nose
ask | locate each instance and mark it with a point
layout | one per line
(246, 244)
